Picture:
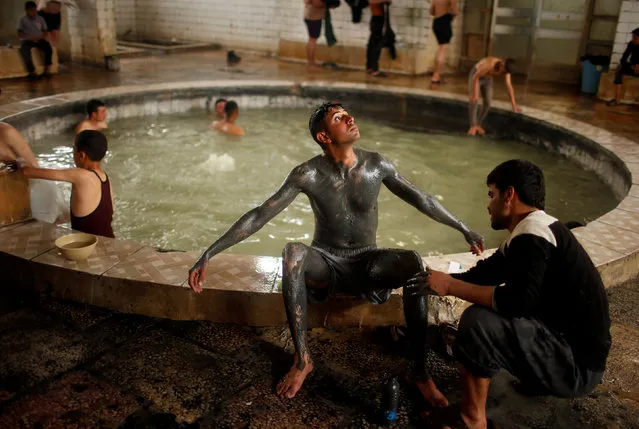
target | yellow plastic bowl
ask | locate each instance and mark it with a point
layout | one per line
(77, 246)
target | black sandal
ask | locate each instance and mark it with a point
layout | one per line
(612, 102)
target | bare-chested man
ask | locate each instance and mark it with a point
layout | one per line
(96, 121)
(220, 103)
(342, 185)
(14, 146)
(443, 13)
(228, 125)
(47, 201)
(481, 78)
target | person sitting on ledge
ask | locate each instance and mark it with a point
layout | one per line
(32, 31)
(227, 125)
(96, 121)
(628, 65)
(481, 79)
(342, 184)
(548, 324)
(91, 192)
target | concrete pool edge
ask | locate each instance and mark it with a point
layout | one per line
(245, 289)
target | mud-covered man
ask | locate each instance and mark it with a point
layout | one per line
(343, 185)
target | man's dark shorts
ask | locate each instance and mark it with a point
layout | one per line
(625, 69)
(314, 28)
(443, 28)
(368, 272)
(53, 20)
(528, 349)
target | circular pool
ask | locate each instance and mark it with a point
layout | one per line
(172, 177)
(179, 185)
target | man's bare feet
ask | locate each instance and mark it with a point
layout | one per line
(292, 382)
(480, 131)
(471, 424)
(472, 131)
(431, 393)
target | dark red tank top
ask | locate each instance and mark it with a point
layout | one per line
(98, 222)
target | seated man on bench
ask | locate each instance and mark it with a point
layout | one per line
(628, 65)
(32, 31)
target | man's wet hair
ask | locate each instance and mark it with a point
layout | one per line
(30, 5)
(230, 107)
(635, 32)
(219, 100)
(317, 123)
(93, 143)
(93, 105)
(525, 177)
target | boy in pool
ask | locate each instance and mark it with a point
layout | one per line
(91, 192)
(96, 120)
(227, 125)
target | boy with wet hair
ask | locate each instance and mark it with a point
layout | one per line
(343, 185)
(228, 126)
(91, 192)
(97, 114)
(481, 79)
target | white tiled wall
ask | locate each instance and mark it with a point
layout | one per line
(90, 31)
(125, 18)
(628, 21)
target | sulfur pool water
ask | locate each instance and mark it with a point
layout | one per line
(180, 185)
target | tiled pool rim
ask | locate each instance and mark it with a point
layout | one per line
(133, 278)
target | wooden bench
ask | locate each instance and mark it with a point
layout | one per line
(630, 92)
(13, 66)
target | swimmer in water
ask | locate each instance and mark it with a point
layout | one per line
(228, 125)
(97, 112)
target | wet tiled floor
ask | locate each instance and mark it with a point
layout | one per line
(66, 365)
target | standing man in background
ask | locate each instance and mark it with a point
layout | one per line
(314, 13)
(443, 13)
(374, 47)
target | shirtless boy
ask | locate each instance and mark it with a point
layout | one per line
(227, 125)
(481, 79)
(96, 121)
(443, 13)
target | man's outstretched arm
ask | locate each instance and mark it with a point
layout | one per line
(247, 225)
(429, 205)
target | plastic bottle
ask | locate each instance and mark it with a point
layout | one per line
(390, 401)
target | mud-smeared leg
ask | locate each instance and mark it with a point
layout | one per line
(297, 258)
(393, 268)
(416, 313)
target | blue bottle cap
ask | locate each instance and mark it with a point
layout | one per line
(390, 415)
